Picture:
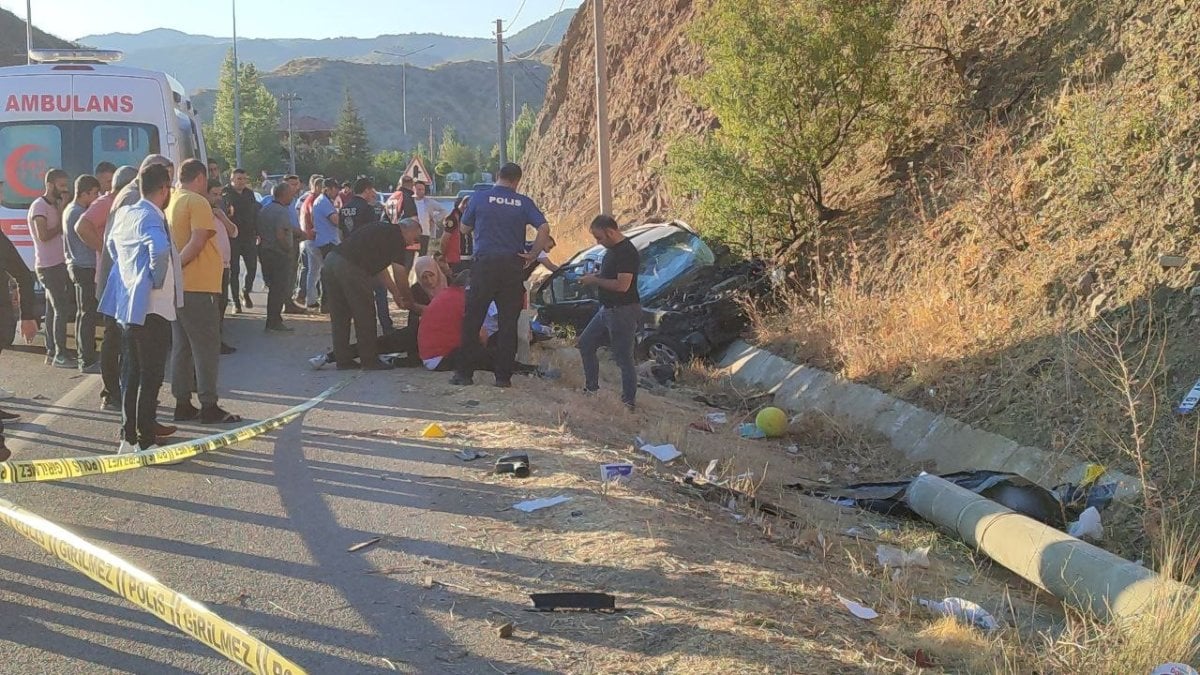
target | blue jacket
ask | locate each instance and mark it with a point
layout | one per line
(143, 256)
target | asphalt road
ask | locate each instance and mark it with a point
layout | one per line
(258, 533)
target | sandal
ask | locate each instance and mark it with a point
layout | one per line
(216, 415)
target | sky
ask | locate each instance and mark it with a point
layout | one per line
(72, 19)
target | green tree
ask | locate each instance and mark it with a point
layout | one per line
(261, 144)
(518, 137)
(792, 84)
(459, 156)
(388, 166)
(350, 139)
(491, 161)
(443, 168)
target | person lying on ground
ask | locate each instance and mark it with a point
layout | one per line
(439, 337)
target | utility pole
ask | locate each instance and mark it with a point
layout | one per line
(432, 158)
(514, 102)
(237, 97)
(404, 96)
(602, 140)
(500, 89)
(291, 98)
(28, 31)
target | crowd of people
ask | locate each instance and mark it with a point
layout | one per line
(154, 255)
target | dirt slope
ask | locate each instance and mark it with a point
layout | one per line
(648, 55)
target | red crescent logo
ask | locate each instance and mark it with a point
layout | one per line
(12, 171)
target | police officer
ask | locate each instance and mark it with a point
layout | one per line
(498, 218)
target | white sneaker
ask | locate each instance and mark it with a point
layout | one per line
(127, 448)
(6, 394)
(318, 362)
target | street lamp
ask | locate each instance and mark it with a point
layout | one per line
(404, 80)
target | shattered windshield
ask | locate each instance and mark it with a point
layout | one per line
(668, 255)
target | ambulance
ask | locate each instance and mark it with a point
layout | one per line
(74, 108)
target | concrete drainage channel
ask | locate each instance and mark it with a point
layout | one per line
(920, 435)
(1083, 575)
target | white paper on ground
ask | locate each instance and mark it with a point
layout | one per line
(859, 610)
(536, 504)
(663, 453)
(1088, 526)
(963, 610)
(717, 418)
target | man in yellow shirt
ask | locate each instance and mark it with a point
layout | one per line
(197, 329)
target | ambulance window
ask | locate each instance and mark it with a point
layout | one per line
(122, 144)
(28, 150)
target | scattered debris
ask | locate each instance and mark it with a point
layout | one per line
(1172, 260)
(468, 455)
(750, 430)
(505, 631)
(717, 418)
(702, 425)
(548, 602)
(858, 610)
(1088, 526)
(892, 557)
(1174, 669)
(470, 404)
(963, 610)
(532, 505)
(516, 464)
(792, 450)
(1189, 402)
(615, 473)
(663, 453)
(361, 545)
(434, 430)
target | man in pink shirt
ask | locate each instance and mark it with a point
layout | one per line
(50, 263)
(90, 229)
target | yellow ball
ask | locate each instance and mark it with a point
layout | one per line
(772, 421)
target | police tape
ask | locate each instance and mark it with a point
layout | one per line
(41, 470)
(143, 590)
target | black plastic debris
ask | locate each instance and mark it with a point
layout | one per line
(516, 464)
(549, 602)
(1009, 489)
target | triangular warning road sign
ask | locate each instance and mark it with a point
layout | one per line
(416, 170)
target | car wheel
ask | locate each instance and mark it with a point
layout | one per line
(666, 351)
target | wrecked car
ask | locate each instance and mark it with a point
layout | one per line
(691, 304)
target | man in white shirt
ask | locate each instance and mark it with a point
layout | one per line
(429, 213)
(143, 292)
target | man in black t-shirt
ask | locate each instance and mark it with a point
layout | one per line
(370, 255)
(244, 247)
(620, 315)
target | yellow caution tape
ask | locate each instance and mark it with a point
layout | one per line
(40, 470)
(143, 590)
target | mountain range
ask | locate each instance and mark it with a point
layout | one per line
(195, 60)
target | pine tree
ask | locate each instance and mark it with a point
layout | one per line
(518, 137)
(350, 139)
(261, 145)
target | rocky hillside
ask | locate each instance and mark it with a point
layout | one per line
(646, 108)
(462, 95)
(12, 39)
(1019, 254)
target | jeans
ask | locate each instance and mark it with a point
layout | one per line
(348, 291)
(403, 341)
(244, 248)
(302, 270)
(110, 360)
(57, 283)
(615, 328)
(275, 274)
(86, 316)
(143, 363)
(383, 309)
(500, 280)
(316, 261)
(196, 348)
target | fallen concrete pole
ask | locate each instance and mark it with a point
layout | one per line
(1079, 574)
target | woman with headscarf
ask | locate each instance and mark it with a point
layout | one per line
(430, 281)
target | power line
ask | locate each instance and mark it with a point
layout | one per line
(524, 68)
(553, 25)
(518, 14)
